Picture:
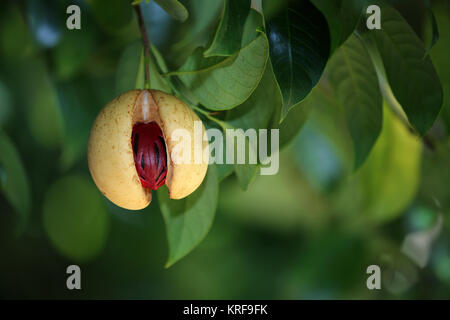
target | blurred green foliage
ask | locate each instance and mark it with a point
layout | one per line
(75, 217)
(308, 232)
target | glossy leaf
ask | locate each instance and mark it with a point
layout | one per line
(409, 71)
(174, 8)
(188, 220)
(222, 85)
(342, 17)
(75, 218)
(14, 182)
(355, 83)
(299, 50)
(227, 39)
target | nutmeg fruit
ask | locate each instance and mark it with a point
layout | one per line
(130, 148)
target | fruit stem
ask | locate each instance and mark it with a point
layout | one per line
(146, 44)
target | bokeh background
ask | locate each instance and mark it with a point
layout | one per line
(309, 232)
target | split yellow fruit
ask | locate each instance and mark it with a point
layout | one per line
(130, 147)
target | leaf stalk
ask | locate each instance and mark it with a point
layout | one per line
(146, 45)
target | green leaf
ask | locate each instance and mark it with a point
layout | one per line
(439, 56)
(389, 179)
(409, 71)
(223, 170)
(75, 218)
(227, 39)
(253, 26)
(189, 220)
(342, 17)
(246, 171)
(156, 80)
(13, 179)
(245, 174)
(292, 125)
(255, 113)
(222, 85)
(174, 8)
(257, 110)
(299, 50)
(355, 82)
(159, 60)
